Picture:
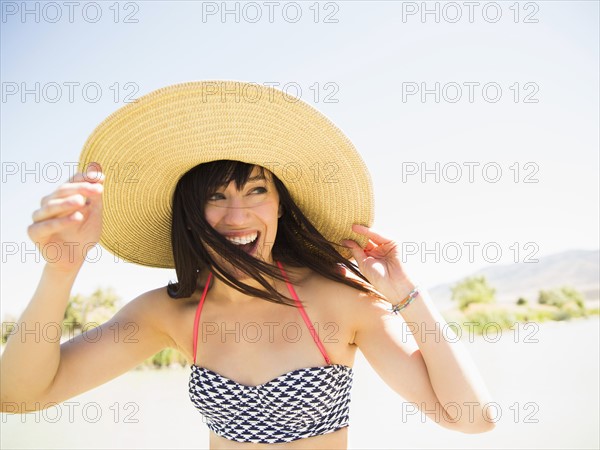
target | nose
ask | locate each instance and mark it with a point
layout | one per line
(236, 213)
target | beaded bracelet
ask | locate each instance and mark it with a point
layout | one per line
(407, 300)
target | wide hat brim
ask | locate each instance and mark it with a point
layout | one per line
(146, 146)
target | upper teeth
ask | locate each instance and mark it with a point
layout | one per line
(241, 240)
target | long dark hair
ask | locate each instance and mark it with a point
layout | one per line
(298, 242)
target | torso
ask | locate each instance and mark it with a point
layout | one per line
(256, 341)
(332, 441)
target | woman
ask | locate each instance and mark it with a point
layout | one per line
(268, 307)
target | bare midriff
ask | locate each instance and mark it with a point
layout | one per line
(338, 440)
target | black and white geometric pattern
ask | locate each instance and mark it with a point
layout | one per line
(298, 404)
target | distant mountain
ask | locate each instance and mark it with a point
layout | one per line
(577, 268)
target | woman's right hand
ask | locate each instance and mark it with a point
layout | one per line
(69, 222)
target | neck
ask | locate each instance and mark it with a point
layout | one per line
(226, 293)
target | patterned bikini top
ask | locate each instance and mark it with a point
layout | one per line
(298, 404)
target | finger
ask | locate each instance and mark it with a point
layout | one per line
(84, 188)
(90, 177)
(371, 234)
(370, 245)
(357, 252)
(41, 231)
(94, 204)
(60, 207)
(94, 166)
(92, 174)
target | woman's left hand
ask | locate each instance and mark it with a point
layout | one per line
(380, 262)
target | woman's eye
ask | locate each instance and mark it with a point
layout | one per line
(216, 196)
(259, 190)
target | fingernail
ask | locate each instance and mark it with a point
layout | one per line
(92, 176)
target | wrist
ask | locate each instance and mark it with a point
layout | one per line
(406, 300)
(63, 272)
(400, 291)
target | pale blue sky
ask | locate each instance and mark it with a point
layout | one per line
(368, 54)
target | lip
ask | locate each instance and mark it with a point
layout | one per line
(254, 248)
(239, 233)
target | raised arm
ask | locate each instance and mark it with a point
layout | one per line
(417, 354)
(35, 368)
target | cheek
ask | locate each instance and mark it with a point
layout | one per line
(211, 215)
(268, 212)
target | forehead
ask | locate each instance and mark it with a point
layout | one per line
(259, 173)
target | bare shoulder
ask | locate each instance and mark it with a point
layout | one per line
(150, 304)
(339, 294)
(156, 309)
(349, 304)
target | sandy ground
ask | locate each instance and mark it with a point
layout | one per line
(544, 382)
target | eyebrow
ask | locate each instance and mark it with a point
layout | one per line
(256, 178)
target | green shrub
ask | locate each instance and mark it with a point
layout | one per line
(558, 304)
(560, 297)
(542, 313)
(166, 358)
(574, 309)
(482, 315)
(8, 327)
(473, 290)
(522, 313)
(561, 315)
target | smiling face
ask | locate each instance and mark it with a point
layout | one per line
(246, 215)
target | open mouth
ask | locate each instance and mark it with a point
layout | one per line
(247, 247)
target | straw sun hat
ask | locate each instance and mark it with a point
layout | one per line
(146, 146)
